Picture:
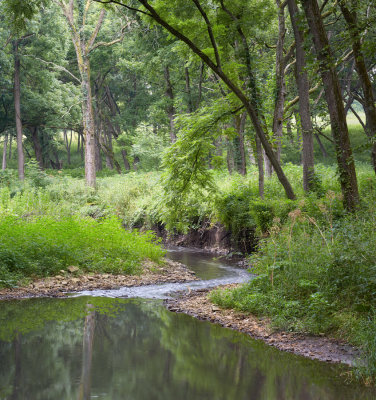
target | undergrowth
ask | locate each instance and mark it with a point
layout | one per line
(43, 245)
(316, 273)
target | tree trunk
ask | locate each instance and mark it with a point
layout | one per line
(89, 129)
(4, 164)
(82, 145)
(260, 166)
(249, 105)
(125, 160)
(170, 106)
(68, 143)
(10, 146)
(239, 126)
(303, 92)
(230, 157)
(17, 107)
(322, 148)
(280, 81)
(334, 100)
(37, 147)
(360, 65)
(188, 91)
(107, 137)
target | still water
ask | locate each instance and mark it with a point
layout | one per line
(116, 348)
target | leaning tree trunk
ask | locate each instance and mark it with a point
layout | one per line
(360, 65)
(17, 107)
(248, 103)
(304, 108)
(346, 166)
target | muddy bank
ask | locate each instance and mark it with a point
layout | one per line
(68, 282)
(213, 238)
(326, 349)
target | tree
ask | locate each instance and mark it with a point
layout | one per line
(303, 92)
(84, 44)
(349, 12)
(346, 167)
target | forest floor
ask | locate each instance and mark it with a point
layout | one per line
(198, 305)
(68, 282)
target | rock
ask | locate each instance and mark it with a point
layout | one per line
(72, 269)
(215, 309)
(62, 271)
(58, 277)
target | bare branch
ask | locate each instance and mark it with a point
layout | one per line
(123, 5)
(57, 66)
(96, 30)
(296, 99)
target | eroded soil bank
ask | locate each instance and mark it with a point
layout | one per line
(59, 286)
(320, 348)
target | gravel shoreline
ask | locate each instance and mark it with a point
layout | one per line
(320, 348)
(69, 282)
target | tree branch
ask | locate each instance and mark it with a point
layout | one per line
(123, 5)
(57, 66)
(96, 31)
(296, 99)
(210, 31)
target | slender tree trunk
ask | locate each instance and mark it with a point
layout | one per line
(280, 81)
(4, 164)
(78, 143)
(360, 65)
(10, 146)
(125, 160)
(68, 143)
(188, 91)
(230, 157)
(97, 155)
(82, 146)
(37, 146)
(322, 147)
(17, 107)
(239, 126)
(260, 166)
(170, 106)
(334, 100)
(304, 108)
(107, 137)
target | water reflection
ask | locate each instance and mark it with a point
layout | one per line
(84, 348)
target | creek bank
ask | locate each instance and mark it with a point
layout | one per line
(61, 285)
(213, 238)
(198, 305)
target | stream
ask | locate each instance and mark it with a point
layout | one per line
(124, 344)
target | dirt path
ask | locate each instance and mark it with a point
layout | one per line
(67, 282)
(320, 348)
